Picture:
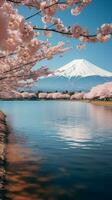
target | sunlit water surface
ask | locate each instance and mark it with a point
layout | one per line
(59, 150)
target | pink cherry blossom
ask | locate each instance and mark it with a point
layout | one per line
(76, 31)
(1, 2)
(20, 44)
(62, 7)
(105, 29)
(42, 95)
(3, 25)
(103, 38)
(46, 19)
(77, 96)
(100, 91)
(76, 11)
(26, 31)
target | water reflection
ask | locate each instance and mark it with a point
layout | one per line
(21, 171)
(25, 175)
(94, 130)
(59, 151)
(102, 115)
(76, 136)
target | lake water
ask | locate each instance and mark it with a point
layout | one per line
(59, 150)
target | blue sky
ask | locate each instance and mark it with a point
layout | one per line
(97, 13)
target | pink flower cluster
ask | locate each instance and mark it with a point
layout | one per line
(101, 91)
(77, 96)
(104, 32)
(78, 9)
(17, 95)
(57, 95)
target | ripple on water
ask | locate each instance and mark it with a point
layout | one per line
(59, 151)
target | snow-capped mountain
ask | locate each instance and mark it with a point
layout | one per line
(81, 68)
(77, 75)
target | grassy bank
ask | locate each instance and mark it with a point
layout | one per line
(101, 103)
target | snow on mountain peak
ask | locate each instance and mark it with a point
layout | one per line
(82, 68)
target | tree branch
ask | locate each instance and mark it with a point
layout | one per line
(61, 32)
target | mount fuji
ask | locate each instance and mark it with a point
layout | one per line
(78, 75)
(81, 68)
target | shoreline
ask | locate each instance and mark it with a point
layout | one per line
(3, 151)
(94, 102)
(101, 103)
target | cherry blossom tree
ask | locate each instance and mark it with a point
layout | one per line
(20, 44)
(101, 92)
